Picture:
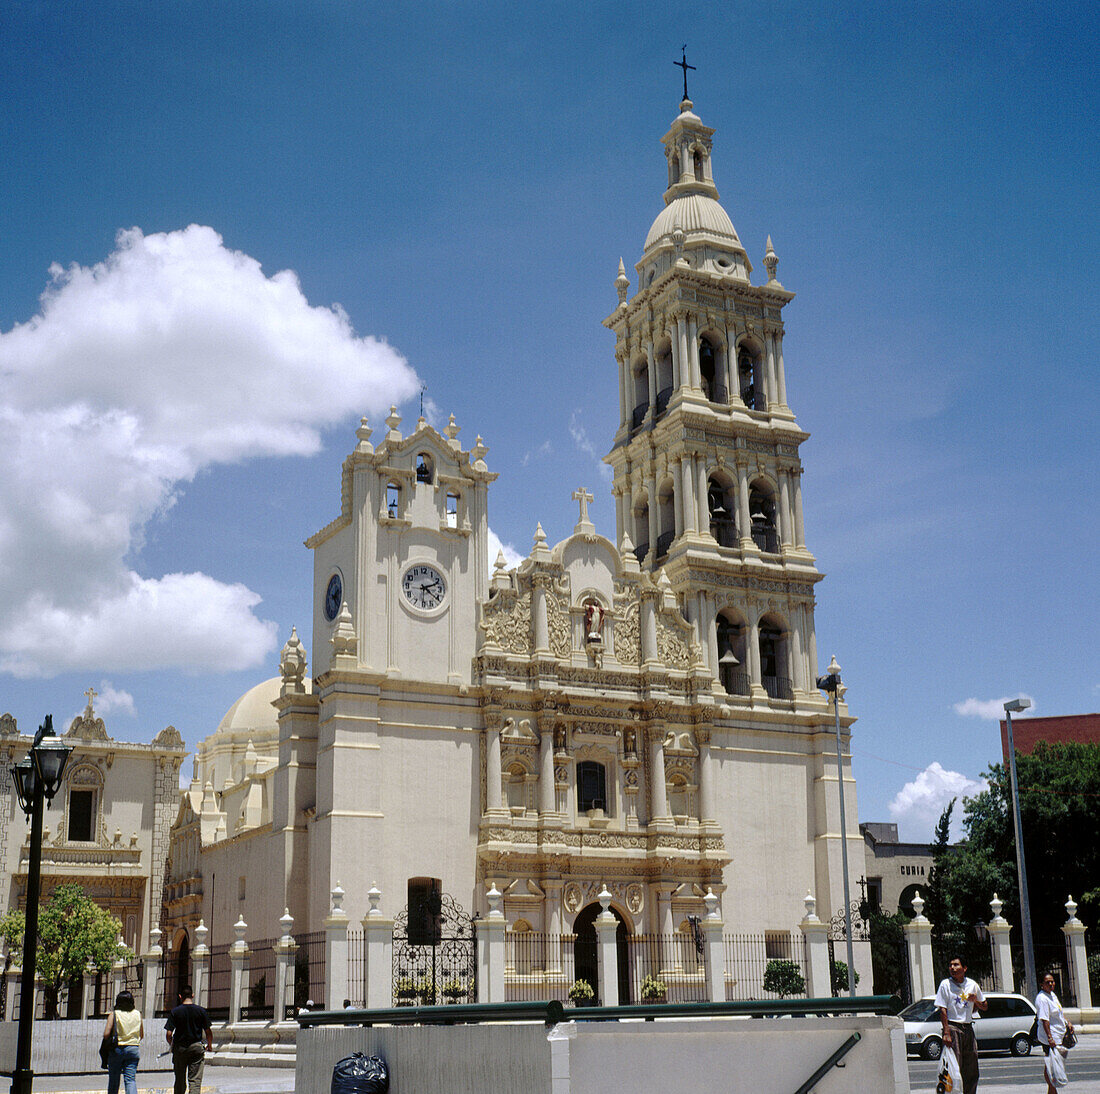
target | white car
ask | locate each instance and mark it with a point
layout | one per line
(1005, 1025)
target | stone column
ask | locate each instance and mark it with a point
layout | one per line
(918, 936)
(552, 889)
(490, 941)
(756, 685)
(607, 955)
(769, 346)
(200, 966)
(649, 624)
(626, 392)
(377, 955)
(1076, 958)
(628, 511)
(733, 377)
(677, 497)
(87, 1002)
(677, 359)
(494, 801)
(693, 352)
(336, 951)
(999, 929)
(238, 970)
(658, 789)
(812, 651)
(687, 490)
(651, 487)
(799, 526)
(706, 779)
(546, 764)
(285, 950)
(118, 977)
(715, 953)
(686, 378)
(538, 614)
(780, 373)
(652, 365)
(816, 935)
(785, 537)
(743, 522)
(703, 510)
(150, 961)
(798, 681)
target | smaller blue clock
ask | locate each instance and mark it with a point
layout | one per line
(334, 597)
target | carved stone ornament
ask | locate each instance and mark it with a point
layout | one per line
(8, 728)
(88, 727)
(635, 898)
(672, 650)
(572, 897)
(292, 664)
(519, 732)
(508, 625)
(557, 622)
(168, 737)
(627, 634)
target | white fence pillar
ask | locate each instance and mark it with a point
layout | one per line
(918, 936)
(490, 941)
(118, 975)
(999, 929)
(238, 971)
(816, 935)
(285, 949)
(150, 961)
(377, 955)
(88, 1002)
(336, 952)
(200, 965)
(712, 927)
(607, 955)
(1076, 958)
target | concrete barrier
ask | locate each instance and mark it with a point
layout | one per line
(72, 1047)
(585, 1057)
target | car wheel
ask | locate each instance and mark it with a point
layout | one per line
(1021, 1045)
(932, 1048)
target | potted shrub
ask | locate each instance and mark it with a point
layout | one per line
(425, 988)
(783, 978)
(581, 993)
(405, 991)
(654, 990)
(453, 990)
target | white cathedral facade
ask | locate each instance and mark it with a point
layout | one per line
(640, 714)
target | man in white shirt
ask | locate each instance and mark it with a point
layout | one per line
(957, 999)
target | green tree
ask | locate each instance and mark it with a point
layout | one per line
(936, 903)
(887, 942)
(73, 931)
(840, 977)
(1059, 799)
(783, 978)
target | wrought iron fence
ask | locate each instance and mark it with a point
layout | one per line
(218, 994)
(357, 968)
(261, 980)
(537, 966)
(439, 971)
(309, 968)
(748, 957)
(666, 968)
(976, 954)
(1051, 957)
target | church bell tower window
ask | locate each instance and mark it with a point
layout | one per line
(452, 510)
(720, 504)
(393, 500)
(591, 786)
(773, 662)
(762, 515)
(424, 470)
(750, 381)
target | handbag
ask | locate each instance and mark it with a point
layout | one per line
(108, 1045)
(1069, 1039)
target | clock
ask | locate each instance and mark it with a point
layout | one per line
(334, 597)
(423, 586)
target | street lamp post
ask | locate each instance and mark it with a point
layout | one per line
(1030, 983)
(37, 778)
(831, 684)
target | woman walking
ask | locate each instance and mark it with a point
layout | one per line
(1052, 1024)
(126, 1023)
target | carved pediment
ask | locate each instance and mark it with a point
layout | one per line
(8, 728)
(88, 728)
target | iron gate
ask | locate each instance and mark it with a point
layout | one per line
(442, 969)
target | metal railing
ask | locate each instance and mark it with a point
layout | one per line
(725, 532)
(638, 416)
(357, 968)
(734, 679)
(777, 687)
(260, 1002)
(664, 541)
(538, 965)
(309, 968)
(665, 968)
(217, 996)
(747, 959)
(766, 539)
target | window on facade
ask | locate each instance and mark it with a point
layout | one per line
(777, 944)
(720, 504)
(591, 786)
(424, 468)
(750, 382)
(452, 510)
(81, 826)
(712, 388)
(697, 164)
(679, 798)
(393, 499)
(242, 887)
(773, 662)
(762, 518)
(732, 671)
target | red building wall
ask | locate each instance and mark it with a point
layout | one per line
(1028, 732)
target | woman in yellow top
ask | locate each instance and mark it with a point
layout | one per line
(123, 1061)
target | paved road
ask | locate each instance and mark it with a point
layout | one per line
(1002, 1074)
(216, 1080)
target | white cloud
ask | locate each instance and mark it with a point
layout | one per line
(544, 449)
(112, 700)
(989, 710)
(584, 443)
(918, 805)
(171, 356)
(511, 556)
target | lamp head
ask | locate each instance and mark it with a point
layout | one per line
(1016, 705)
(50, 755)
(25, 777)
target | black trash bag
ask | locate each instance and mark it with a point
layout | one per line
(359, 1074)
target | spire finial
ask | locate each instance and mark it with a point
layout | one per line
(685, 66)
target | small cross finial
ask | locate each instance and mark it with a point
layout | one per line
(90, 695)
(584, 497)
(685, 66)
(423, 388)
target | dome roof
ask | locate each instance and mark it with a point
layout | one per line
(253, 713)
(694, 214)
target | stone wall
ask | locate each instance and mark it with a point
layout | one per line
(72, 1048)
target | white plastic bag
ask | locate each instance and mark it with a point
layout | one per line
(1056, 1068)
(949, 1079)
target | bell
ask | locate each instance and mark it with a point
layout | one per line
(728, 658)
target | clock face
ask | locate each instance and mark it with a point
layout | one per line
(334, 597)
(423, 586)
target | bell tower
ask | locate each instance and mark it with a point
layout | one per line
(707, 475)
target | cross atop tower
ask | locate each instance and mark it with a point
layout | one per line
(683, 63)
(90, 695)
(584, 497)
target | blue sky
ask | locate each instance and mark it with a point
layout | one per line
(452, 186)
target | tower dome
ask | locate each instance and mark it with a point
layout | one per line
(251, 721)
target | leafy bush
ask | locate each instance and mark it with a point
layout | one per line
(783, 978)
(581, 992)
(653, 989)
(840, 977)
(1094, 974)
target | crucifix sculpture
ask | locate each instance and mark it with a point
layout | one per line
(685, 66)
(584, 497)
(90, 695)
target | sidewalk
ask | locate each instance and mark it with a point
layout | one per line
(216, 1080)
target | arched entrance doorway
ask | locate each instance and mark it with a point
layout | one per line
(585, 964)
(181, 971)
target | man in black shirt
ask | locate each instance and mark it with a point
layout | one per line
(186, 1026)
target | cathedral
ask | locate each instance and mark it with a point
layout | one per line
(638, 713)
